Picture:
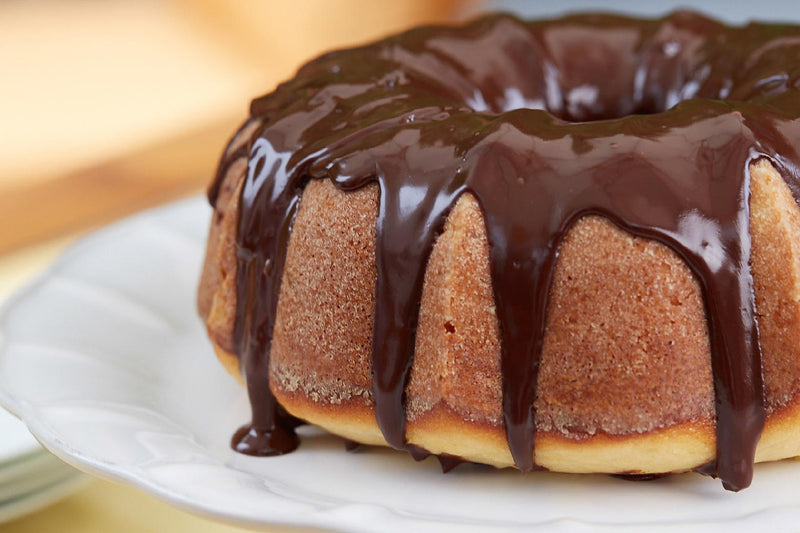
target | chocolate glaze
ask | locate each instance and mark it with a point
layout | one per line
(448, 462)
(650, 123)
(353, 446)
(638, 477)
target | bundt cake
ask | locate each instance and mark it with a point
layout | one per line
(571, 245)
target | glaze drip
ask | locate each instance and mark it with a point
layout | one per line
(535, 121)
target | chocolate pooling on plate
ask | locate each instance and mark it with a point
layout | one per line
(652, 124)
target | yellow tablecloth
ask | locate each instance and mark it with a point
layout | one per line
(105, 506)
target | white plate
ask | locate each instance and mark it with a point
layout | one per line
(105, 360)
(31, 475)
(42, 497)
(15, 439)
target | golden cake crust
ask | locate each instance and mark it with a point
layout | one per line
(625, 382)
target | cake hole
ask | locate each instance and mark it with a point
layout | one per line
(449, 327)
(575, 97)
(583, 103)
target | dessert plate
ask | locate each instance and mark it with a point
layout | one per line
(32, 495)
(16, 442)
(104, 359)
(30, 477)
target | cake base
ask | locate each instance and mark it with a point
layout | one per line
(632, 398)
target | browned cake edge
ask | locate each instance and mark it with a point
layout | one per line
(680, 444)
(675, 449)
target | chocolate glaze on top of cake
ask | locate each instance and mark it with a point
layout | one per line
(650, 123)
